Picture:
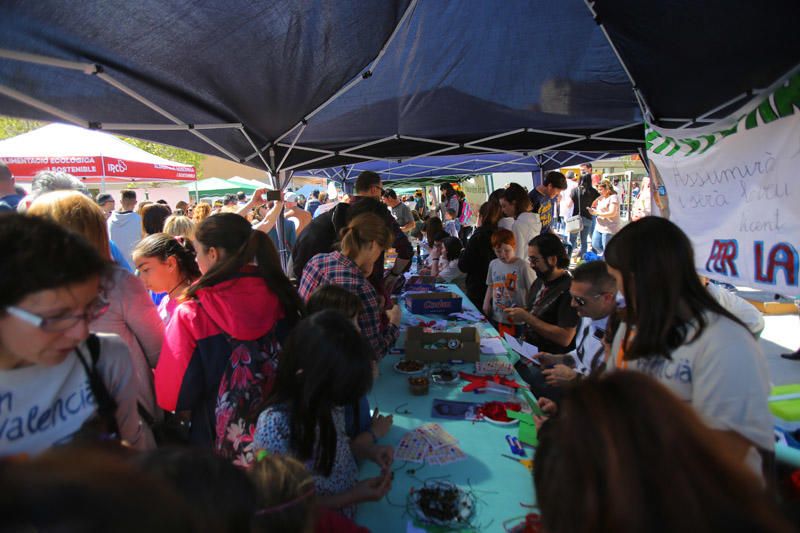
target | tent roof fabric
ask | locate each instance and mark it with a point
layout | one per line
(299, 84)
(62, 144)
(424, 170)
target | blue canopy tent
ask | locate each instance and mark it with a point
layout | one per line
(434, 170)
(301, 84)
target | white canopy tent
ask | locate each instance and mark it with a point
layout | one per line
(94, 156)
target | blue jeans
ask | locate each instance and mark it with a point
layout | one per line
(599, 241)
(586, 230)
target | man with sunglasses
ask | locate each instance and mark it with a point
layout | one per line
(593, 294)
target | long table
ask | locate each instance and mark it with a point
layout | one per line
(501, 486)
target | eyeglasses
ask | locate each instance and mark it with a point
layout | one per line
(532, 259)
(581, 301)
(60, 323)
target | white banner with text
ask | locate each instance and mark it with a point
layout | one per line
(734, 189)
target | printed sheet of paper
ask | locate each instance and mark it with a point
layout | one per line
(445, 455)
(524, 349)
(494, 366)
(413, 448)
(436, 435)
(492, 346)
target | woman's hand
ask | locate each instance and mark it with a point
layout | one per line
(394, 314)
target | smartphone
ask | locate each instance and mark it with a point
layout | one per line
(273, 196)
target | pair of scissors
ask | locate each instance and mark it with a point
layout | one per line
(527, 463)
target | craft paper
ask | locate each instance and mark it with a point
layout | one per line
(492, 346)
(524, 349)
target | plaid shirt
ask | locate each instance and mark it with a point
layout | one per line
(338, 269)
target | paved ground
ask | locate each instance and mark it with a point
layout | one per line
(781, 334)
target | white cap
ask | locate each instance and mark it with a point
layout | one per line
(290, 197)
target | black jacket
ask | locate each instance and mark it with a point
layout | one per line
(587, 197)
(475, 263)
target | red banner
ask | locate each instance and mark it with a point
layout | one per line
(92, 168)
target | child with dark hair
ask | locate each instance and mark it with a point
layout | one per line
(507, 282)
(325, 365)
(242, 302)
(446, 268)
(222, 495)
(77, 489)
(654, 465)
(451, 224)
(357, 417)
(48, 360)
(435, 253)
(432, 227)
(168, 265)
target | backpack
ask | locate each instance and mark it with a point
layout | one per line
(104, 426)
(243, 390)
(465, 212)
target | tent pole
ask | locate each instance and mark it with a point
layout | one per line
(103, 175)
(639, 97)
(41, 106)
(289, 151)
(541, 170)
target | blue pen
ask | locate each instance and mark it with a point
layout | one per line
(518, 444)
(514, 449)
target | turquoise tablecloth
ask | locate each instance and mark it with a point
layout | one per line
(500, 484)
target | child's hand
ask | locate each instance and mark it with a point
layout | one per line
(381, 424)
(374, 488)
(383, 456)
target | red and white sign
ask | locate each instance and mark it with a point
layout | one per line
(90, 155)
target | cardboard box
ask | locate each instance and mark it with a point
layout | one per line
(421, 283)
(468, 350)
(432, 303)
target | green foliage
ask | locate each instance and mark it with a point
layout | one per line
(170, 152)
(11, 127)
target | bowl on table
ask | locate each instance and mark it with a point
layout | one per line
(418, 385)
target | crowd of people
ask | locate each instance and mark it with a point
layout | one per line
(158, 362)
